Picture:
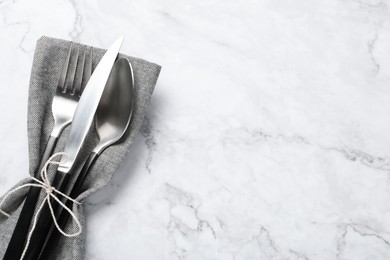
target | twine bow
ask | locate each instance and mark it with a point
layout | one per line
(51, 192)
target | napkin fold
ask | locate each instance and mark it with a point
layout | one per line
(49, 57)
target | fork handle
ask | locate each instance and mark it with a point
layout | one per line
(18, 239)
(45, 220)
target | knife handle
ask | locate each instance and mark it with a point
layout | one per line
(45, 219)
(55, 236)
(16, 244)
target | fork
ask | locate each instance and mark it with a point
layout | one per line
(64, 105)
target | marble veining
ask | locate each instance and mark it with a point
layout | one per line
(267, 136)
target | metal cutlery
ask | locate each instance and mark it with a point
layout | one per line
(63, 108)
(111, 122)
(81, 123)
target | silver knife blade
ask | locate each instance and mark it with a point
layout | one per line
(88, 103)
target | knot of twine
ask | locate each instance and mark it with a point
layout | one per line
(51, 192)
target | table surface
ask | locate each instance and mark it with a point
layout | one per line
(267, 135)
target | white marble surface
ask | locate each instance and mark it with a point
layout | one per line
(268, 135)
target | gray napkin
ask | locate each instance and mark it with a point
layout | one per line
(50, 55)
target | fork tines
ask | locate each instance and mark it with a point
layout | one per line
(76, 70)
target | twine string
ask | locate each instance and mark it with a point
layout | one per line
(51, 193)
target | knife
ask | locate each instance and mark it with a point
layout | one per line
(80, 127)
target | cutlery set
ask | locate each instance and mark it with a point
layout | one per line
(105, 106)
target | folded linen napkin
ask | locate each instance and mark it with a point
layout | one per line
(49, 57)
